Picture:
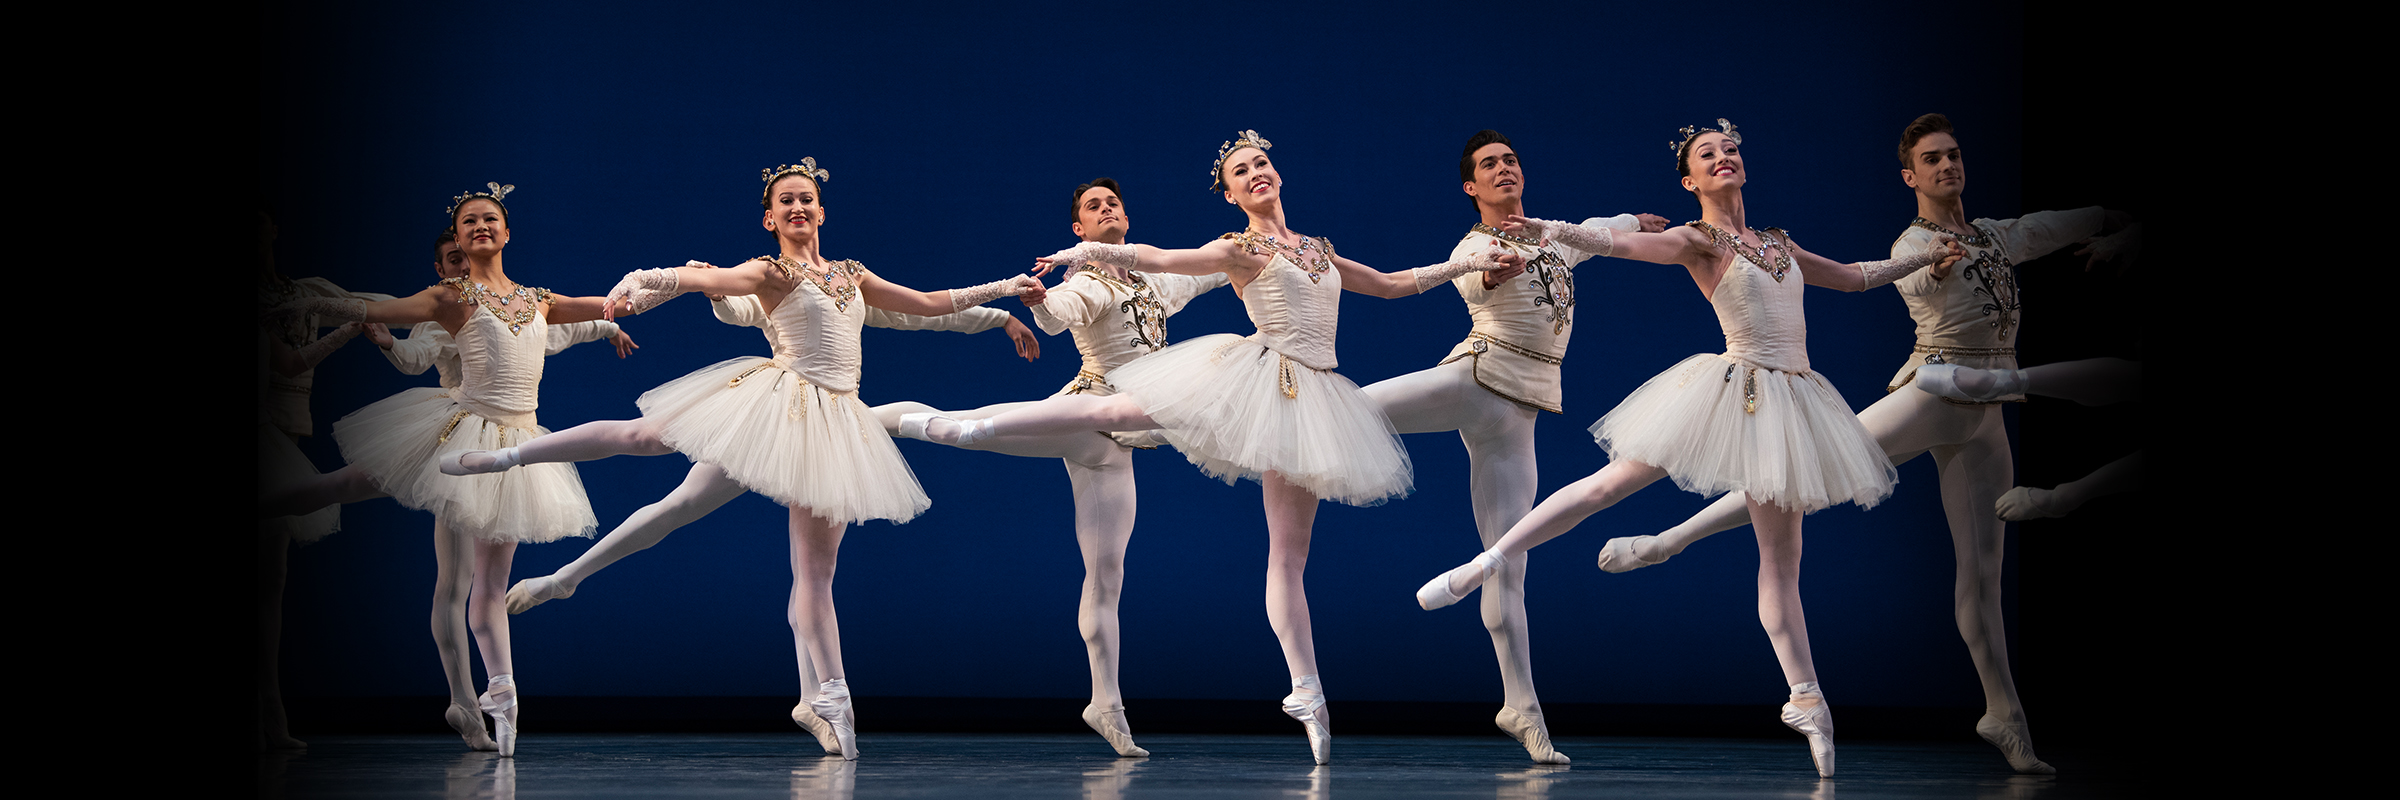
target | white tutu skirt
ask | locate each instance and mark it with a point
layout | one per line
(399, 440)
(1222, 400)
(780, 436)
(1798, 445)
(280, 464)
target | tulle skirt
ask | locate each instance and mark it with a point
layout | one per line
(783, 437)
(280, 463)
(399, 440)
(1717, 425)
(1238, 410)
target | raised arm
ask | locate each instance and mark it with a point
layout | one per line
(1366, 280)
(1680, 246)
(1821, 271)
(1221, 255)
(891, 296)
(644, 289)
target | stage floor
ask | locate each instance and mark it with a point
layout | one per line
(928, 765)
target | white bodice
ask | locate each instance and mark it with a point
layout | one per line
(1977, 305)
(1296, 310)
(1762, 316)
(500, 372)
(1115, 322)
(816, 335)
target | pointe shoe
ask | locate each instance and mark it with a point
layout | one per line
(2025, 502)
(500, 701)
(532, 592)
(2012, 740)
(1942, 381)
(912, 426)
(1306, 703)
(962, 433)
(818, 727)
(1436, 593)
(1620, 556)
(470, 727)
(833, 706)
(1110, 724)
(1530, 731)
(1814, 720)
(501, 461)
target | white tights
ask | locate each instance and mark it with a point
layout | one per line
(1291, 511)
(470, 588)
(1501, 483)
(1100, 472)
(1970, 451)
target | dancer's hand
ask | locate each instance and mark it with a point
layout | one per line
(1952, 253)
(624, 343)
(381, 335)
(1527, 226)
(1652, 223)
(2123, 247)
(1028, 346)
(1511, 264)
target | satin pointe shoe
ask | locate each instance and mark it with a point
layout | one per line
(2015, 743)
(833, 706)
(1110, 724)
(532, 592)
(1620, 556)
(500, 701)
(1814, 720)
(1530, 731)
(1306, 703)
(818, 727)
(961, 434)
(1436, 593)
(912, 426)
(470, 727)
(1942, 380)
(501, 461)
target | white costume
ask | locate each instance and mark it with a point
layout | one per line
(1115, 322)
(1753, 419)
(791, 427)
(396, 441)
(1241, 406)
(1968, 318)
(283, 404)
(430, 347)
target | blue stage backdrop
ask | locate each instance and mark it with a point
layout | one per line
(634, 134)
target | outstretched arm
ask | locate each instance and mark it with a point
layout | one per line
(891, 296)
(290, 362)
(423, 306)
(1821, 271)
(1221, 255)
(1363, 279)
(642, 290)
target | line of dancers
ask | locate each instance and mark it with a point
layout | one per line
(1753, 423)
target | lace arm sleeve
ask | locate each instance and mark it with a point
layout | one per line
(1438, 274)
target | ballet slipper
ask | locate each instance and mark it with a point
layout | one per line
(2025, 502)
(959, 433)
(1620, 555)
(1530, 731)
(1110, 724)
(1943, 381)
(1306, 704)
(532, 592)
(501, 461)
(818, 727)
(2012, 739)
(1808, 714)
(469, 726)
(833, 705)
(912, 426)
(1436, 593)
(500, 701)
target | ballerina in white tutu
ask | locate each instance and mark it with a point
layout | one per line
(1267, 407)
(1970, 321)
(789, 427)
(500, 328)
(1113, 322)
(1753, 419)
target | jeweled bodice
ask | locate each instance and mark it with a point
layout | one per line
(1762, 316)
(816, 327)
(1296, 308)
(500, 372)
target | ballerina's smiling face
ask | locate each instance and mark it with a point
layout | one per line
(1713, 161)
(1250, 179)
(795, 208)
(482, 227)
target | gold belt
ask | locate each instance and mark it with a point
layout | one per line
(1481, 339)
(1086, 379)
(1942, 353)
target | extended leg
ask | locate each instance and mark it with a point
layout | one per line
(274, 729)
(590, 441)
(1557, 514)
(1904, 424)
(345, 485)
(704, 489)
(816, 633)
(1072, 413)
(1104, 511)
(1291, 515)
(1084, 446)
(453, 582)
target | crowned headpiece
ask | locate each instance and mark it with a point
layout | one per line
(1690, 132)
(1247, 139)
(498, 191)
(807, 166)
